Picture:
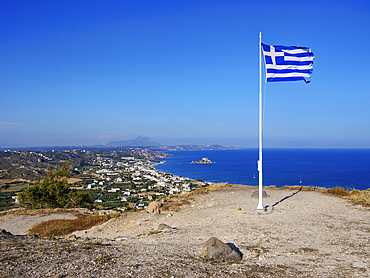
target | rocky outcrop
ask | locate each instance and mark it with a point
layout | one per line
(217, 250)
(204, 160)
(154, 207)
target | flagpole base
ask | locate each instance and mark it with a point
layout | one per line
(260, 207)
(249, 208)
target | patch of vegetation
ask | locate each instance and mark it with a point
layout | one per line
(111, 205)
(338, 191)
(55, 228)
(361, 197)
(13, 186)
(54, 192)
(93, 194)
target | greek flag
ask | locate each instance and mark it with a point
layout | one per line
(287, 63)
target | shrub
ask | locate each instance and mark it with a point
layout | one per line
(54, 192)
(338, 191)
(360, 197)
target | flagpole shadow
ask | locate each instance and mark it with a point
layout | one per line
(287, 197)
(269, 208)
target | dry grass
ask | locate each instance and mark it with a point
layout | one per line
(55, 228)
(360, 197)
(339, 191)
(5, 181)
(73, 180)
(174, 204)
(304, 188)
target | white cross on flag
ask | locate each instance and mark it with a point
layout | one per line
(287, 63)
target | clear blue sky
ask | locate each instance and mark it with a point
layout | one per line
(180, 72)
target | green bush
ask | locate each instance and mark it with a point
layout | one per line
(54, 192)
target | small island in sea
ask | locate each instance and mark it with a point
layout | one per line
(204, 160)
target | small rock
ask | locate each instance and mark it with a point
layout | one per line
(120, 238)
(217, 250)
(71, 237)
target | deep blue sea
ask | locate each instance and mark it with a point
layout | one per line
(349, 168)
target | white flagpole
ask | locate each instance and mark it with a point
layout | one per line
(259, 163)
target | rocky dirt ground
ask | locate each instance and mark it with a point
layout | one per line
(306, 234)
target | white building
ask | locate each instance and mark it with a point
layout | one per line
(118, 179)
(114, 190)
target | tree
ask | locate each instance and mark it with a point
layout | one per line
(54, 192)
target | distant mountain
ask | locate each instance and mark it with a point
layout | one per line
(192, 148)
(138, 142)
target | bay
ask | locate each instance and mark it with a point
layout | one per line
(348, 168)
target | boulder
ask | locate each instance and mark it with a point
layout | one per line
(217, 250)
(154, 207)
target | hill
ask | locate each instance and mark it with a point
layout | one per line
(138, 142)
(302, 236)
(33, 165)
(193, 148)
(146, 142)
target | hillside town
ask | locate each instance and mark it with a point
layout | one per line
(129, 182)
(115, 179)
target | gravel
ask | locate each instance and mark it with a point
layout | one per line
(306, 234)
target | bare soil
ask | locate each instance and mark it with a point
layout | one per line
(306, 234)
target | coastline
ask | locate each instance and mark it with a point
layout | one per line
(326, 168)
(299, 235)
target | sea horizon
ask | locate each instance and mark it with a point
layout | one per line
(315, 167)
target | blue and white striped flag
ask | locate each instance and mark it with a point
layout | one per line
(287, 63)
